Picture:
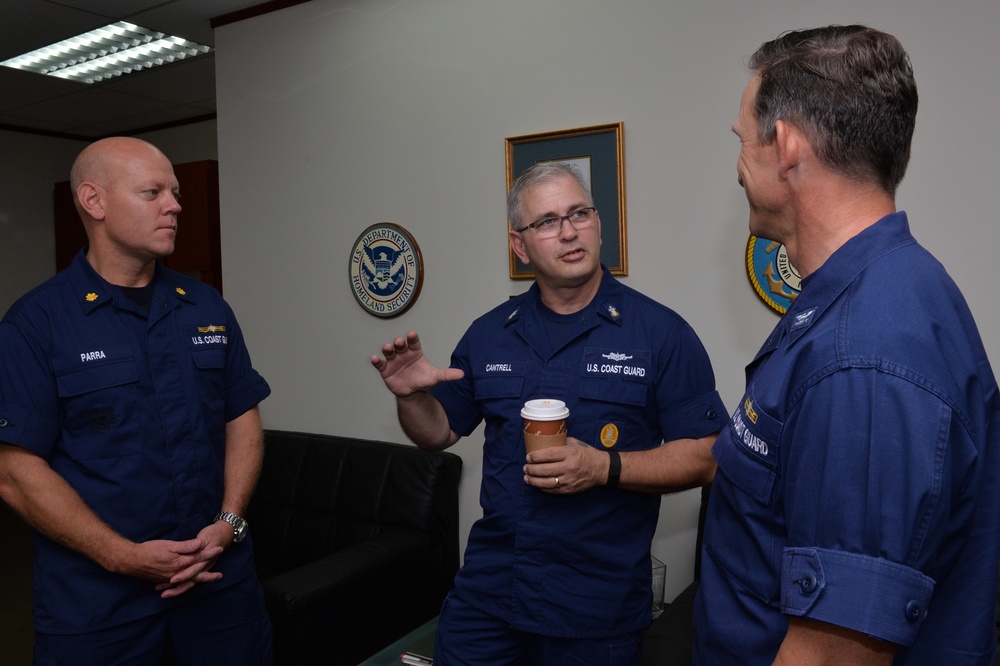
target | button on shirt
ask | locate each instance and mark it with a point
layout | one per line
(633, 374)
(131, 409)
(858, 476)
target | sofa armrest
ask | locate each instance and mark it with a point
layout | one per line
(323, 581)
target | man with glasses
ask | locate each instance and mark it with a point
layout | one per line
(558, 568)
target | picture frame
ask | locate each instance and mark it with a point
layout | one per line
(599, 152)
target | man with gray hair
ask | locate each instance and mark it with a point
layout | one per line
(855, 516)
(558, 568)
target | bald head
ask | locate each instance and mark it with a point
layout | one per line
(126, 193)
(102, 162)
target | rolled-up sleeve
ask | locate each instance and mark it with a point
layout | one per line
(824, 584)
(874, 491)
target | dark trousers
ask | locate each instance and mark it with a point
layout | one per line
(466, 636)
(228, 627)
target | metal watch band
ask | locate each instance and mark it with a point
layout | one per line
(239, 524)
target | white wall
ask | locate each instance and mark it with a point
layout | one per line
(337, 114)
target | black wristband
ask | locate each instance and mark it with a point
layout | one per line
(614, 470)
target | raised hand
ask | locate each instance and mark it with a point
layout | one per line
(405, 370)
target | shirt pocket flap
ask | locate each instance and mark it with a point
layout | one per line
(753, 476)
(622, 392)
(209, 359)
(748, 456)
(493, 388)
(499, 380)
(77, 374)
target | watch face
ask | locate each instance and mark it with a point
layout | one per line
(240, 532)
(239, 525)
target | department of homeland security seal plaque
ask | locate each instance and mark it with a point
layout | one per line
(771, 273)
(386, 270)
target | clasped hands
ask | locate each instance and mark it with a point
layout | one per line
(177, 566)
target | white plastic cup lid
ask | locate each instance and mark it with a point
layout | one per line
(544, 410)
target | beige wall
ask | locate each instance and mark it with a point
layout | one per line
(378, 110)
(334, 115)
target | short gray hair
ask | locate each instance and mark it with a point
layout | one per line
(537, 174)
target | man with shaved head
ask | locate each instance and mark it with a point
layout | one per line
(130, 437)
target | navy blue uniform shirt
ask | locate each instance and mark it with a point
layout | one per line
(858, 476)
(131, 409)
(633, 374)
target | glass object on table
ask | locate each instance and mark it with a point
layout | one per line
(659, 580)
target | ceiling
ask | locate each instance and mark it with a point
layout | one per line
(165, 96)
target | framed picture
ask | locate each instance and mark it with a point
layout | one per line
(598, 152)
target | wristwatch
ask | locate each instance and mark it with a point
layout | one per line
(240, 526)
(614, 470)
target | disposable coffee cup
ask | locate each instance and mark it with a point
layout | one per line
(544, 424)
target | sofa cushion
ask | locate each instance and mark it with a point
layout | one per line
(355, 541)
(320, 493)
(364, 565)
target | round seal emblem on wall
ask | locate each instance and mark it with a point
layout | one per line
(386, 270)
(771, 273)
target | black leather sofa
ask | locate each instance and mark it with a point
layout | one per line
(669, 640)
(355, 541)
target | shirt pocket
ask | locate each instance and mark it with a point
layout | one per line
(209, 359)
(616, 377)
(209, 364)
(498, 381)
(749, 456)
(499, 389)
(98, 392)
(77, 374)
(613, 391)
(744, 498)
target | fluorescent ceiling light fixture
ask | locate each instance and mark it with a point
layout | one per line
(116, 49)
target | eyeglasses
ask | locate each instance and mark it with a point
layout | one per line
(551, 226)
